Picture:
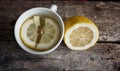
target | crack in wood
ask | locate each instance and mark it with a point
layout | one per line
(113, 42)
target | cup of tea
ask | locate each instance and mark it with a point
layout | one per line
(39, 30)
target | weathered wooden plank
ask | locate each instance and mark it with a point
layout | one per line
(102, 57)
(104, 14)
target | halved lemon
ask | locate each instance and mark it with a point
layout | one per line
(50, 34)
(80, 33)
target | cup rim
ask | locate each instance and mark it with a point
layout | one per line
(19, 41)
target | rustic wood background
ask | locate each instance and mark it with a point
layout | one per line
(104, 56)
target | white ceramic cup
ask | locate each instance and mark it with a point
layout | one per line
(38, 11)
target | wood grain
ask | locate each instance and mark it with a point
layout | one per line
(104, 56)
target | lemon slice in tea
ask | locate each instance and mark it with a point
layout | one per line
(50, 35)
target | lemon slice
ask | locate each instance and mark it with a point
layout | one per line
(50, 35)
(28, 33)
(80, 33)
(36, 21)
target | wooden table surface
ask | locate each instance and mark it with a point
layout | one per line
(104, 56)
